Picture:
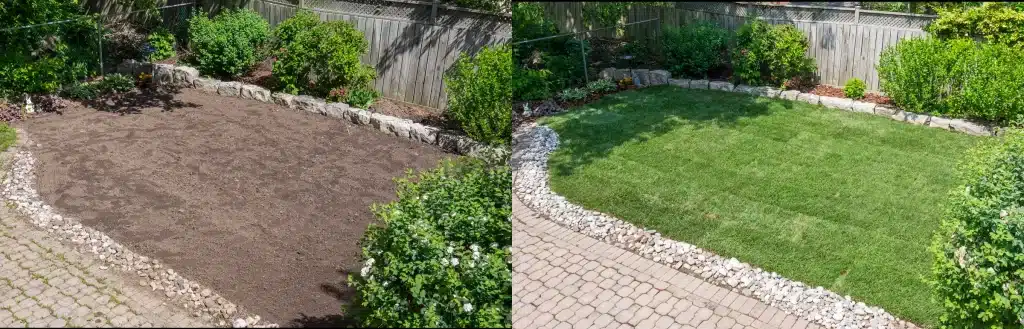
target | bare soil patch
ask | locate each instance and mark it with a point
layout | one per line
(264, 204)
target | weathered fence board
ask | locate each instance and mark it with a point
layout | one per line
(844, 42)
(410, 52)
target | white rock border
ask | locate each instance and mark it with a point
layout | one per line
(644, 78)
(188, 77)
(532, 145)
(20, 193)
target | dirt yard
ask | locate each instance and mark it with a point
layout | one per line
(264, 204)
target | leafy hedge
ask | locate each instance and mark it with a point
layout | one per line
(318, 57)
(768, 54)
(228, 44)
(955, 78)
(442, 257)
(694, 49)
(480, 95)
(42, 59)
(995, 22)
(978, 271)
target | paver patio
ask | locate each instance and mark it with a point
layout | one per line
(46, 284)
(563, 279)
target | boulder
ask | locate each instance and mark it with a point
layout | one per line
(255, 92)
(862, 107)
(836, 102)
(206, 85)
(286, 100)
(423, 133)
(971, 128)
(163, 75)
(720, 85)
(360, 116)
(809, 98)
(699, 84)
(396, 126)
(310, 104)
(608, 73)
(916, 118)
(684, 83)
(939, 122)
(336, 110)
(127, 67)
(143, 67)
(641, 77)
(885, 110)
(229, 88)
(659, 77)
(745, 89)
(789, 94)
(184, 76)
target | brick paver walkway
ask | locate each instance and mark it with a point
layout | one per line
(564, 279)
(46, 284)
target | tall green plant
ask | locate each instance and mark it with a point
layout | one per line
(916, 73)
(442, 258)
(770, 54)
(318, 57)
(480, 94)
(694, 49)
(979, 249)
(229, 44)
(992, 21)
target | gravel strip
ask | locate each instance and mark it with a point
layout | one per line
(531, 148)
(20, 193)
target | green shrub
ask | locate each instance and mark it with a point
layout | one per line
(442, 257)
(81, 91)
(289, 30)
(528, 23)
(915, 74)
(694, 49)
(992, 21)
(480, 95)
(854, 88)
(45, 57)
(770, 54)
(601, 86)
(115, 83)
(161, 45)
(227, 45)
(978, 269)
(322, 57)
(361, 97)
(573, 94)
(988, 83)
(566, 65)
(530, 84)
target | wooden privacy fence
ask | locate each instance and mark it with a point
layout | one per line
(844, 42)
(411, 45)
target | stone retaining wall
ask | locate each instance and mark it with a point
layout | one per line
(188, 77)
(643, 78)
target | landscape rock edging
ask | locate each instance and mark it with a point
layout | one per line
(845, 104)
(532, 145)
(188, 77)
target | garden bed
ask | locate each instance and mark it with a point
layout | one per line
(262, 203)
(830, 198)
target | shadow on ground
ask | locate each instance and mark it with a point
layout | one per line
(592, 131)
(134, 101)
(347, 318)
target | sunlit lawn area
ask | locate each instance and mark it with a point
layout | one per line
(846, 201)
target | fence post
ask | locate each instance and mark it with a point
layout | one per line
(856, 14)
(583, 52)
(99, 42)
(302, 3)
(433, 11)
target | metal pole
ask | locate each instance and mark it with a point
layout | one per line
(99, 41)
(433, 11)
(584, 53)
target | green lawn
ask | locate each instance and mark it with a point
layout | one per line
(847, 201)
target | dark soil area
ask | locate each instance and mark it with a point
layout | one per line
(830, 91)
(263, 204)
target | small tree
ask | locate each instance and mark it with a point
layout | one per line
(480, 94)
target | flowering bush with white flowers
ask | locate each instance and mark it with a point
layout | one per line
(441, 257)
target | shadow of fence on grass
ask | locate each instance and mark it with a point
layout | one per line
(134, 101)
(593, 131)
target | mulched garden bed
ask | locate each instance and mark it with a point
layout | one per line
(263, 204)
(830, 91)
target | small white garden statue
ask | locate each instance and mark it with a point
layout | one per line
(29, 108)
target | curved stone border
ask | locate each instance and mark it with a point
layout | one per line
(20, 193)
(532, 145)
(188, 77)
(648, 77)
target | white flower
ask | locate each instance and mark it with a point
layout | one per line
(467, 307)
(363, 272)
(455, 261)
(1003, 214)
(450, 249)
(474, 247)
(369, 262)
(494, 245)
(444, 261)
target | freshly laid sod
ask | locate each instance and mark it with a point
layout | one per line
(846, 201)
